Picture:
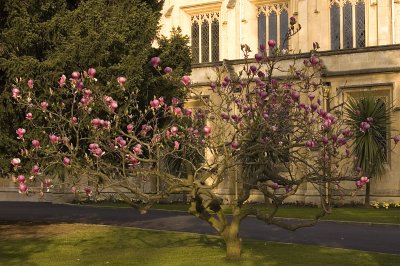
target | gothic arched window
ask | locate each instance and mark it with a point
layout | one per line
(335, 27)
(273, 26)
(360, 24)
(262, 30)
(215, 41)
(205, 38)
(284, 26)
(347, 24)
(195, 43)
(273, 23)
(205, 42)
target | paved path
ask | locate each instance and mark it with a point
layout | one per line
(379, 238)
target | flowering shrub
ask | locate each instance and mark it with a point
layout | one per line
(82, 133)
(277, 134)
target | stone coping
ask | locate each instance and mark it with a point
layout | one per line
(380, 48)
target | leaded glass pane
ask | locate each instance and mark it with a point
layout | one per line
(347, 26)
(262, 29)
(205, 42)
(215, 41)
(360, 24)
(335, 27)
(195, 42)
(284, 26)
(273, 26)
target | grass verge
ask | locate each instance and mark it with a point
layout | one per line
(77, 244)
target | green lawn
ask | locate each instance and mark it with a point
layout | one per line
(77, 244)
(360, 214)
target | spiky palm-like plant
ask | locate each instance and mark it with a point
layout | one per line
(370, 119)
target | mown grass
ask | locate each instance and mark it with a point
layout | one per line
(77, 244)
(355, 214)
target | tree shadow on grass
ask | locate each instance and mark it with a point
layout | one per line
(19, 242)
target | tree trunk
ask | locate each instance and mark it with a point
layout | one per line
(233, 247)
(367, 194)
(232, 240)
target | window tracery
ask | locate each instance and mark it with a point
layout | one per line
(347, 23)
(205, 37)
(273, 23)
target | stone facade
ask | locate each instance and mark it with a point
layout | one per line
(360, 47)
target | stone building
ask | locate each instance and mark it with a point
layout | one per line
(359, 45)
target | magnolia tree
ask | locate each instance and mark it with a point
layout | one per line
(81, 138)
(279, 134)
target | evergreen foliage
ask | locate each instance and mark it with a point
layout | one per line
(41, 40)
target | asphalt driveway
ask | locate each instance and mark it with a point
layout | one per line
(368, 237)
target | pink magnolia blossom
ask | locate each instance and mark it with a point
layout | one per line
(35, 169)
(188, 112)
(129, 128)
(271, 44)
(292, 20)
(95, 122)
(93, 146)
(176, 145)
(15, 93)
(66, 161)
(234, 145)
(16, 162)
(207, 131)
(30, 84)
(175, 101)
(53, 138)
(168, 134)
(29, 116)
(310, 144)
(314, 60)
(20, 132)
(22, 188)
(174, 130)
(91, 72)
(185, 80)
(145, 129)
(137, 149)
(178, 112)
(362, 182)
(120, 141)
(73, 189)
(133, 161)
(96, 150)
(113, 105)
(155, 103)
(167, 70)
(88, 191)
(21, 179)
(75, 75)
(258, 57)
(74, 120)
(364, 126)
(62, 80)
(396, 139)
(121, 81)
(155, 61)
(44, 105)
(35, 144)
